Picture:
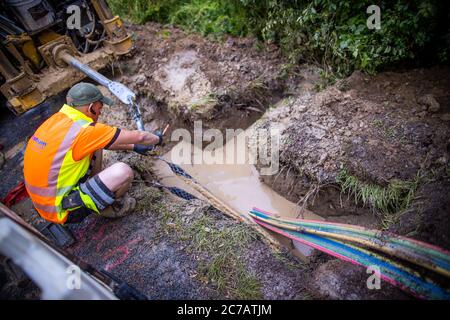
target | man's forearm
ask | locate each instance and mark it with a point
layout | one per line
(121, 147)
(135, 137)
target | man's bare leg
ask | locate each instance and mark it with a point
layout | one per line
(117, 178)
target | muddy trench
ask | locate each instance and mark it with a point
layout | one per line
(378, 129)
(162, 83)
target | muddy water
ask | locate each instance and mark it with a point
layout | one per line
(237, 185)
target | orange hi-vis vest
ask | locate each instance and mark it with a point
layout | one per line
(58, 155)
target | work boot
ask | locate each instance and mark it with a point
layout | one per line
(120, 208)
(57, 233)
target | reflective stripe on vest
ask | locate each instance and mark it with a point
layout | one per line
(58, 183)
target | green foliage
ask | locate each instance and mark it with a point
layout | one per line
(226, 268)
(211, 17)
(389, 201)
(215, 17)
(141, 11)
(332, 34)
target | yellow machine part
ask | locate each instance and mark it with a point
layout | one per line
(27, 101)
(29, 50)
(47, 36)
(26, 44)
(120, 42)
(51, 80)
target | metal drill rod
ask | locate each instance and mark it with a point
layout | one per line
(124, 94)
(136, 113)
(91, 73)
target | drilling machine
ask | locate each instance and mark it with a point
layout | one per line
(47, 46)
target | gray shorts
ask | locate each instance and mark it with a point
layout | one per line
(98, 192)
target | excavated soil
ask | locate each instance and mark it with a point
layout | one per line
(225, 84)
(390, 127)
(383, 128)
(362, 124)
(380, 128)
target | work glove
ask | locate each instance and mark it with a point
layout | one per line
(160, 136)
(143, 149)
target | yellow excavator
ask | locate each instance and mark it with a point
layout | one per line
(47, 46)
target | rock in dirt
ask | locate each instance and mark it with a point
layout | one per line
(430, 101)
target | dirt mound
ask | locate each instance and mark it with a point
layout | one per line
(371, 133)
(428, 217)
(197, 79)
(377, 130)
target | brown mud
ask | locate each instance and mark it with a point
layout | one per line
(236, 185)
(381, 128)
(187, 77)
(384, 128)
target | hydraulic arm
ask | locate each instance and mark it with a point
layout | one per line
(124, 94)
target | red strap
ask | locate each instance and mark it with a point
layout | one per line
(14, 196)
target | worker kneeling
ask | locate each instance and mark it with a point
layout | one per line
(62, 163)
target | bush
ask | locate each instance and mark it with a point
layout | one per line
(329, 33)
(141, 11)
(334, 34)
(211, 17)
(216, 17)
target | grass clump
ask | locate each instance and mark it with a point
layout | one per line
(290, 264)
(226, 268)
(390, 201)
(219, 249)
(208, 100)
(149, 200)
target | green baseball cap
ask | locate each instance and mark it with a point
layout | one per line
(84, 93)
